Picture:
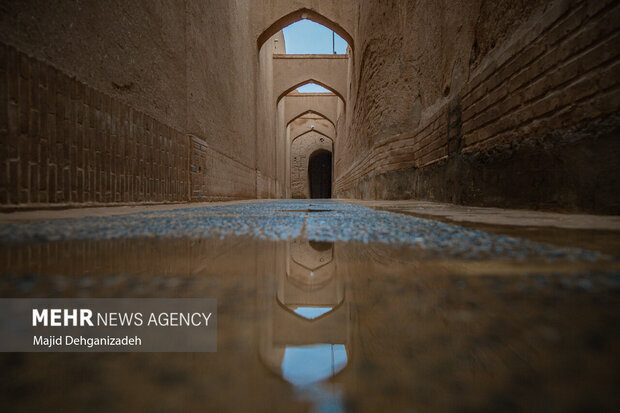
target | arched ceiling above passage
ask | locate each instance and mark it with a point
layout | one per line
(311, 112)
(312, 132)
(334, 7)
(328, 71)
(305, 82)
(296, 105)
(306, 122)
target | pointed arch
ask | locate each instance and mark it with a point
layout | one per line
(305, 82)
(305, 112)
(310, 131)
(296, 104)
(302, 14)
(303, 124)
(291, 70)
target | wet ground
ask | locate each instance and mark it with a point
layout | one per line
(327, 306)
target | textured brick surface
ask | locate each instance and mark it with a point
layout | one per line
(214, 175)
(557, 72)
(64, 142)
(505, 103)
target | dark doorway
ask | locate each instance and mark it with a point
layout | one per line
(320, 174)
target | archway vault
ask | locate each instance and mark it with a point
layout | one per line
(301, 14)
(298, 104)
(293, 71)
(313, 112)
(302, 125)
(285, 92)
(312, 131)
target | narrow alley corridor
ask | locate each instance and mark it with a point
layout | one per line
(310, 206)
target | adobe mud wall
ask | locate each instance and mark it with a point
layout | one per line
(65, 143)
(131, 51)
(222, 67)
(504, 103)
(155, 75)
(486, 103)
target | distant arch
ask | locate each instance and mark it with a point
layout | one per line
(305, 112)
(305, 82)
(319, 125)
(302, 14)
(299, 103)
(310, 131)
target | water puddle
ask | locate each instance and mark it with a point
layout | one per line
(323, 326)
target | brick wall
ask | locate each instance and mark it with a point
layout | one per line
(66, 143)
(549, 78)
(198, 168)
(554, 82)
(215, 176)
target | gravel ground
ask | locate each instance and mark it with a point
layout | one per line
(279, 220)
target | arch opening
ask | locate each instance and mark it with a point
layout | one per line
(323, 136)
(320, 174)
(311, 88)
(307, 82)
(311, 112)
(305, 79)
(303, 14)
(305, 37)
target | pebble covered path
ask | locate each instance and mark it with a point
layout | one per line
(319, 220)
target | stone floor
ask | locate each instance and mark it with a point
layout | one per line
(330, 306)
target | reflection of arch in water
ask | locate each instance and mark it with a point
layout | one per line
(307, 267)
(306, 350)
(304, 365)
(321, 245)
(311, 312)
(308, 255)
(312, 289)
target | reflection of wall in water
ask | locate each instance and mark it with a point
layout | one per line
(130, 256)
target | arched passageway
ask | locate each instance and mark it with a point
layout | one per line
(172, 117)
(320, 174)
(282, 100)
